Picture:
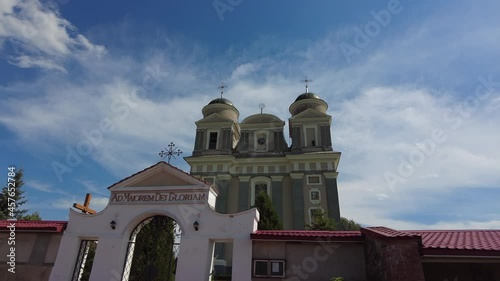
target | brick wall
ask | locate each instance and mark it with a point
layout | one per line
(393, 260)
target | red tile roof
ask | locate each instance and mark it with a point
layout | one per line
(446, 242)
(433, 242)
(34, 226)
(474, 242)
(306, 235)
(382, 231)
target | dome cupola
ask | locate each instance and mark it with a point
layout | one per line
(308, 100)
(222, 106)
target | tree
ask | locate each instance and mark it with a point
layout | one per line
(32, 217)
(269, 219)
(18, 197)
(154, 259)
(346, 224)
(323, 222)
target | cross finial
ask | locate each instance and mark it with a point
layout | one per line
(85, 207)
(222, 87)
(170, 152)
(307, 81)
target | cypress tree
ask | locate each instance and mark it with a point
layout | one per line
(269, 219)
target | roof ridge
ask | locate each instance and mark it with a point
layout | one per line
(151, 167)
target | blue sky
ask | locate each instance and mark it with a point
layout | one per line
(413, 88)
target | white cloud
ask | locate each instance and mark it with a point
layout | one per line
(243, 70)
(93, 188)
(99, 203)
(39, 37)
(377, 133)
(63, 203)
(24, 61)
(40, 186)
(382, 105)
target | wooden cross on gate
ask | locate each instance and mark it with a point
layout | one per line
(85, 208)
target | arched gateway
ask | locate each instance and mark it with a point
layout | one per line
(160, 191)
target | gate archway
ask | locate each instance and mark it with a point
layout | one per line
(152, 250)
(158, 190)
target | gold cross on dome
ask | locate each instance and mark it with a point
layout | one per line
(85, 207)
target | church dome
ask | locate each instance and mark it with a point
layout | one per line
(308, 100)
(222, 101)
(307, 96)
(223, 107)
(263, 118)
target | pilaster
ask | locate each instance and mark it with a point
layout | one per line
(243, 193)
(277, 194)
(298, 200)
(332, 195)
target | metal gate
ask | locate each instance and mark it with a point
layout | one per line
(152, 251)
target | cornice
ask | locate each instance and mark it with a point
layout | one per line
(330, 155)
(296, 175)
(331, 175)
(277, 178)
(224, 177)
(244, 178)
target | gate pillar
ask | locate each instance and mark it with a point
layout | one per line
(108, 262)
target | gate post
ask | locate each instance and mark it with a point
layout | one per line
(195, 259)
(242, 259)
(109, 258)
(66, 260)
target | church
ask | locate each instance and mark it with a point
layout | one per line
(210, 213)
(245, 158)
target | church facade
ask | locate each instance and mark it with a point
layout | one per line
(244, 158)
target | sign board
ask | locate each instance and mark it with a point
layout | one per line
(157, 197)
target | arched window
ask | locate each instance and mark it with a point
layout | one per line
(212, 139)
(311, 135)
(315, 212)
(259, 184)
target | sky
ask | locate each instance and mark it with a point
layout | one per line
(92, 91)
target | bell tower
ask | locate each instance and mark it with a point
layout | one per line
(218, 131)
(309, 124)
